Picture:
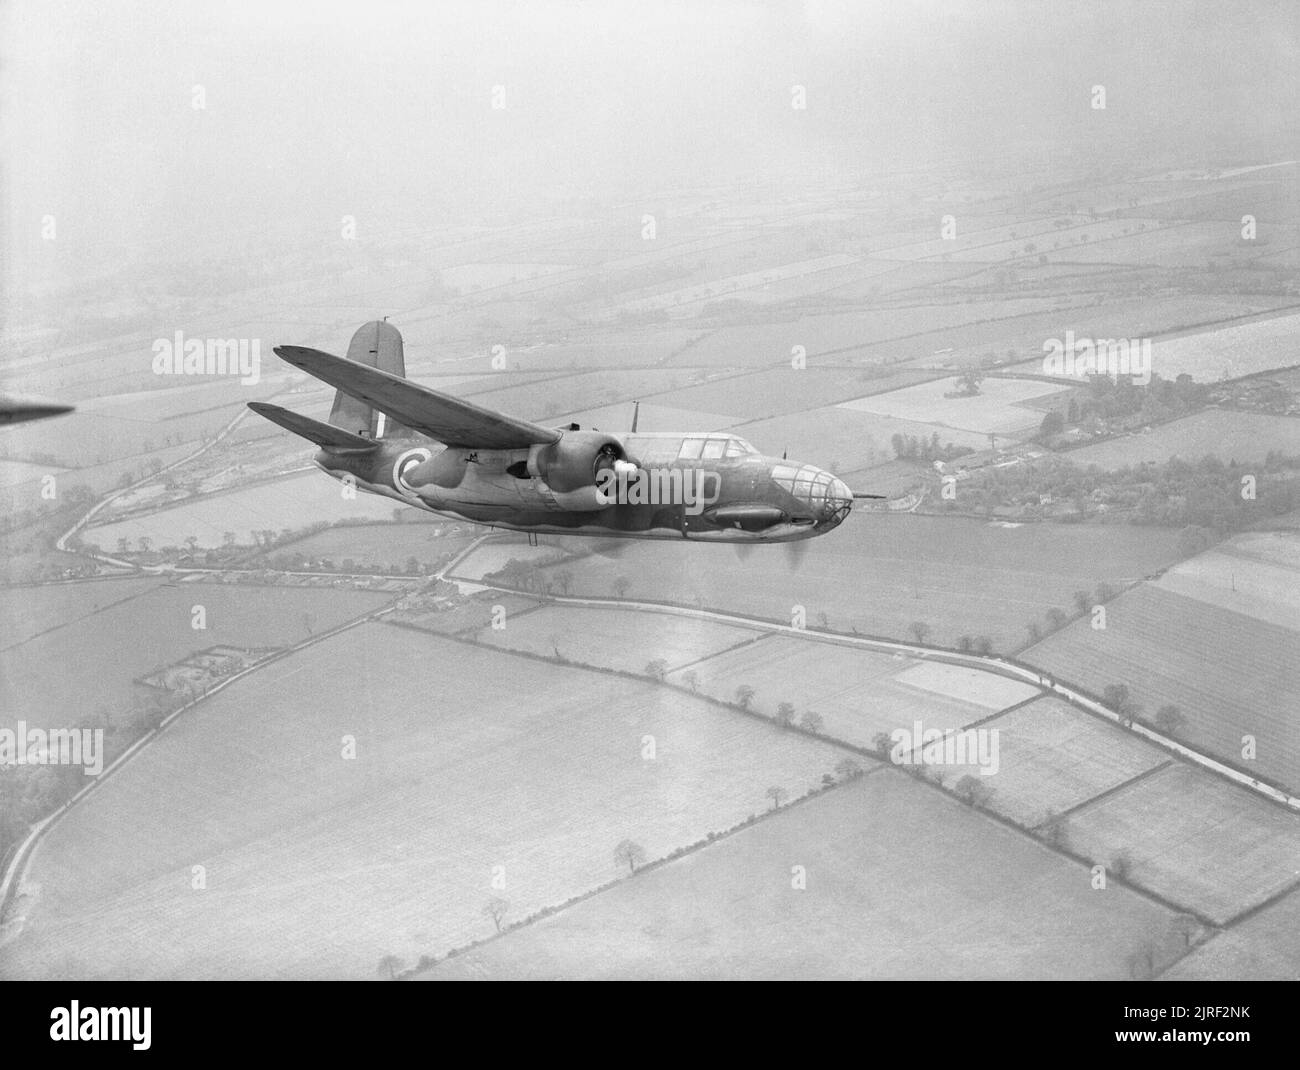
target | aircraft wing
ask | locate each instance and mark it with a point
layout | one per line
(326, 435)
(16, 410)
(440, 416)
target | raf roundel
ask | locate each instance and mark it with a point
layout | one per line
(404, 463)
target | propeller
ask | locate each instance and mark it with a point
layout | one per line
(743, 550)
(610, 548)
(795, 552)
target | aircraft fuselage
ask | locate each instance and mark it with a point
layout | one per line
(725, 492)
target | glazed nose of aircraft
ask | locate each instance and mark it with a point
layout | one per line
(837, 503)
(828, 499)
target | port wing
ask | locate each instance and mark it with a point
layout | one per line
(326, 435)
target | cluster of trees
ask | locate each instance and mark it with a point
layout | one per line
(1204, 493)
(925, 450)
(1118, 403)
(291, 562)
(968, 384)
(522, 575)
(1169, 719)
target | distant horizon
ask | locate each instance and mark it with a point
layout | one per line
(302, 123)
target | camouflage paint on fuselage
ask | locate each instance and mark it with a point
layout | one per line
(738, 496)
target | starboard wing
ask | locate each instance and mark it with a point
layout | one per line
(450, 420)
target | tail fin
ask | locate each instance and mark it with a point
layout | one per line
(379, 345)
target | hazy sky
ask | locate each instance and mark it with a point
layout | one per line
(316, 110)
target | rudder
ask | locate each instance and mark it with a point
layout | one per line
(379, 345)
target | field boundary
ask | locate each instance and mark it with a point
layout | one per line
(995, 663)
(12, 878)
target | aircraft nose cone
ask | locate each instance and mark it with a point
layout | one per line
(829, 499)
(839, 500)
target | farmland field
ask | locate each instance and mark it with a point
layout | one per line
(495, 553)
(1230, 352)
(99, 478)
(902, 882)
(774, 391)
(616, 638)
(477, 276)
(13, 473)
(998, 407)
(284, 503)
(1226, 352)
(471, 614)
(618, 417)
(958, 575)
(384, 544)
(28, 611)
(988, 690)
(1128, 318)
(1230, 675)
(905, 276)
(317, 866)
(1263, 947)
(1257, 574)
(755, 346)
(99, 655)
(1272, 200)
(550, 399)
(1246, 437)
(858, 693)
(793, 289)
(842, 440)
(1195, 839)
(973, 239)
(592, 349)
(108, 430)
(1172, 245)
(1058, 244)
(737, 285)
(1054, 757)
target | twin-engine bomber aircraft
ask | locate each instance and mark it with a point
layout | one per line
(390, 436)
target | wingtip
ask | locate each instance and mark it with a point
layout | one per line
(20, 410)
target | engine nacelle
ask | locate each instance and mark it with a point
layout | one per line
(569, 468)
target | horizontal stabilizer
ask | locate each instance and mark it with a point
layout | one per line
(325, 435)
(449, 420)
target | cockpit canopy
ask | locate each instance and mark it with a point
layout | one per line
(664, 449)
